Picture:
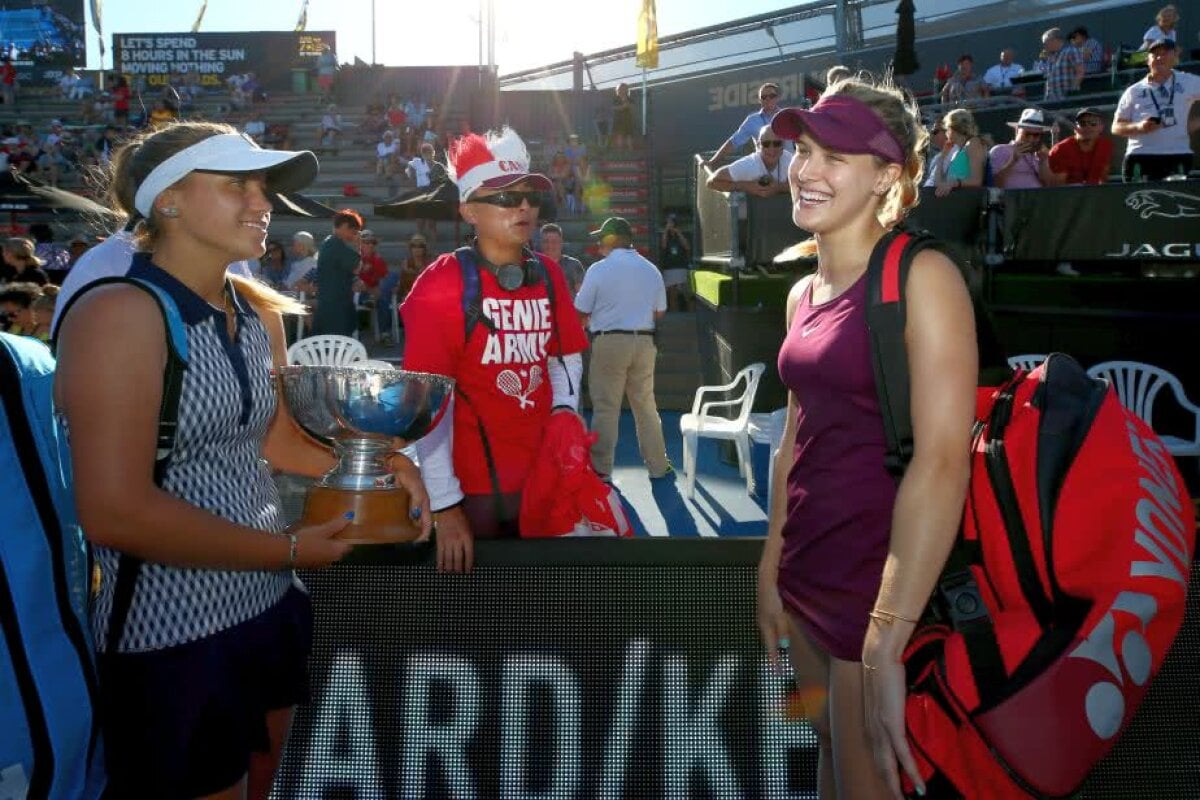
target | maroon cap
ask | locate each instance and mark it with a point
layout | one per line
(843, 124)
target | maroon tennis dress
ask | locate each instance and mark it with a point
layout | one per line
(839, 495)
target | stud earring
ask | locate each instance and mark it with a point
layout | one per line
(169, 211)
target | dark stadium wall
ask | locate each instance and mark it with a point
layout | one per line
(697, 114)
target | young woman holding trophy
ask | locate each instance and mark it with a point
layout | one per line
(201, 627)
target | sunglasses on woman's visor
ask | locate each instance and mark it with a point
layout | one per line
(510, 199)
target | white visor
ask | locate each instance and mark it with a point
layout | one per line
(287, 170)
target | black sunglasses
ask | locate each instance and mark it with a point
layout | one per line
(510, 199)
(775, 143)
(768, 96)
(417, 246)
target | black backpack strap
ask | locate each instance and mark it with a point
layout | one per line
(887, 276)
(959, 600)
(129, 567)
(473, 314)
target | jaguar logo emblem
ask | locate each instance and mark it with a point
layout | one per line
(1163, 203)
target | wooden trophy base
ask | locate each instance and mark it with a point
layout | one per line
(380, 515)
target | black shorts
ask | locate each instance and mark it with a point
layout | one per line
(182, 722)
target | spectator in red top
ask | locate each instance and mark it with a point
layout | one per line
(373, 268)
(8, 81)
(1085, 157)
(120, 100)
(521, 361)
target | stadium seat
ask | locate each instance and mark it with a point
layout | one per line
(1138, 385)
(700, 423)
(330, 350)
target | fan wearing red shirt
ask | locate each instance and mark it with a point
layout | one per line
(521, 363)
(374, 268)
(1085, 157)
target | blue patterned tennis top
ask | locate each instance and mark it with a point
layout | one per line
(226, 406)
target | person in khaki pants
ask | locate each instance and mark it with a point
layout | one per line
(621, 297)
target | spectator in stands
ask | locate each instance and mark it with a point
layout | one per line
(55, 258)
(385, 155)
(337, 264)
(372, 268)
(415, 263)
(273, 266)
(16, 307)
(763, 173)
(623, 125)
(675, 261)
(161, 115)
(121, 95)
(43, 312)
(964, 87)
(768, 98)
(1024, 163)
(26, 267)
(1062, 65)
(964, 155)
(396, 285)
(302, 271)
(327, 67)
(425, 172)
(1084, 157)
(79, 244)
(575, 149)
(937, 143)
(1153, 115)
(71, 86)
(255, 127)
(552, 246)
(845, 583)
(560, 175)
(8, 82)
(1166, 26)
(106, 144)
(999, 76)
(622, 299)
(512, 369)
(331, 127)
(1091, 50)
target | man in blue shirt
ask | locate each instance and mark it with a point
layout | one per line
(768, 97)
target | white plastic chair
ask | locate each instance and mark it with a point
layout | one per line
(700, 423)
(1138, 385)
(1026, 362)
(768, 429)
(374, 363)
(330, 350)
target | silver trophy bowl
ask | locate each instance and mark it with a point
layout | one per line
(360, 411)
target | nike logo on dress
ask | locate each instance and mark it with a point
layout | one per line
(807, 329)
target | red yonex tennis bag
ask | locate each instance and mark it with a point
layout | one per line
(1068, 582)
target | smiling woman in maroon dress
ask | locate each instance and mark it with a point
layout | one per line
(851, 558)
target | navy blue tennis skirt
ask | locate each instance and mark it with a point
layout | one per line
(182, 722)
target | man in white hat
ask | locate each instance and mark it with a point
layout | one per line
(1024, 162)
(500, 321)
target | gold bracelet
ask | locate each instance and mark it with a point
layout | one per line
(889, 617)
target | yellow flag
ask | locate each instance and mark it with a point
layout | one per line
(647, 39)
(302, 22)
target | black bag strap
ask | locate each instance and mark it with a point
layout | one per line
(493, 473)
(887, 276)
(129, 567)
(959, 600)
